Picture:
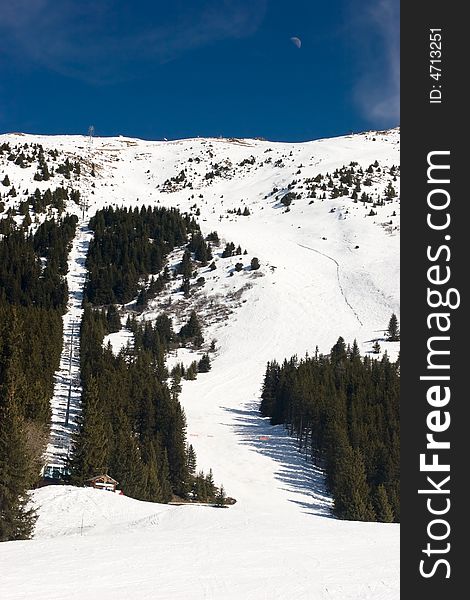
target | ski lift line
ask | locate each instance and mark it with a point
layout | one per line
(66, 400)
(71, 347)
(67, 412)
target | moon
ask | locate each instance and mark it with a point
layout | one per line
(296, 41)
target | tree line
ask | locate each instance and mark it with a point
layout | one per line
(132, 424)
(128, 245)
(33, 266)
(33, 296)
(344, 411)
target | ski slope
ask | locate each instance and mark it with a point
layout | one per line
(324, 273)
(66, 402)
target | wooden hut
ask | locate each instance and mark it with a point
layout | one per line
(102, 482)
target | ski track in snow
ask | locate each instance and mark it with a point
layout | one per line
(338, 277)
(279, 541)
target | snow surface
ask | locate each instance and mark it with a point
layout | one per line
(279, 541)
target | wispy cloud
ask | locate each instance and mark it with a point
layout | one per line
(92, 41)
(378, 88)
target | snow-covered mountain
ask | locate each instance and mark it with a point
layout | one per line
(329, 267)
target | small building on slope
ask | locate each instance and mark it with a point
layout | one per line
(102, 482)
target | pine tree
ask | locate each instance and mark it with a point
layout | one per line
(338, 352)
(229, 250)
(213, 237)
(192, 330)
(17, 520)
(199, 488)
(255, 264)
(351, 492)
(191, 461)
(393, 329)
(185, 288)
(91, 446)
(176, 448)
(185, 267)
(153, 490)
(354, 352)
(165, 485)
(210, 485)
(191, 372)
(27, 220)
(383, 510)
(390, 192)
(175, 386)
(142, 297)
(113, 319)
(221, 497)
(376, 347)
(204, 365)
(125, 460)
(270, 385)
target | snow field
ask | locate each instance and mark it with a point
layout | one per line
(279, 540)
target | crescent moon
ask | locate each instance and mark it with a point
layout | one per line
(296, 41)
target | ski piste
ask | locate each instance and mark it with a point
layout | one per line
(66, 401)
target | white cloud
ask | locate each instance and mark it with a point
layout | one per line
(378, 88)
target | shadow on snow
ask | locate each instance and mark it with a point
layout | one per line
(295, 472)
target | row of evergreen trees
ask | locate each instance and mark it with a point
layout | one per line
(57, 199)
(32, 267)
(25, 154)
(344, 410)
(346, 181)
(129, 245)
(132, 424)
(30, 347)
(33, 296)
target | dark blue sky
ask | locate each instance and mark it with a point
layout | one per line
(184, 68)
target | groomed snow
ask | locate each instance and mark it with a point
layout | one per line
(279, 540)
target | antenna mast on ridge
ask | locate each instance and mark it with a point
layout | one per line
(84, 204)
(91, 133)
